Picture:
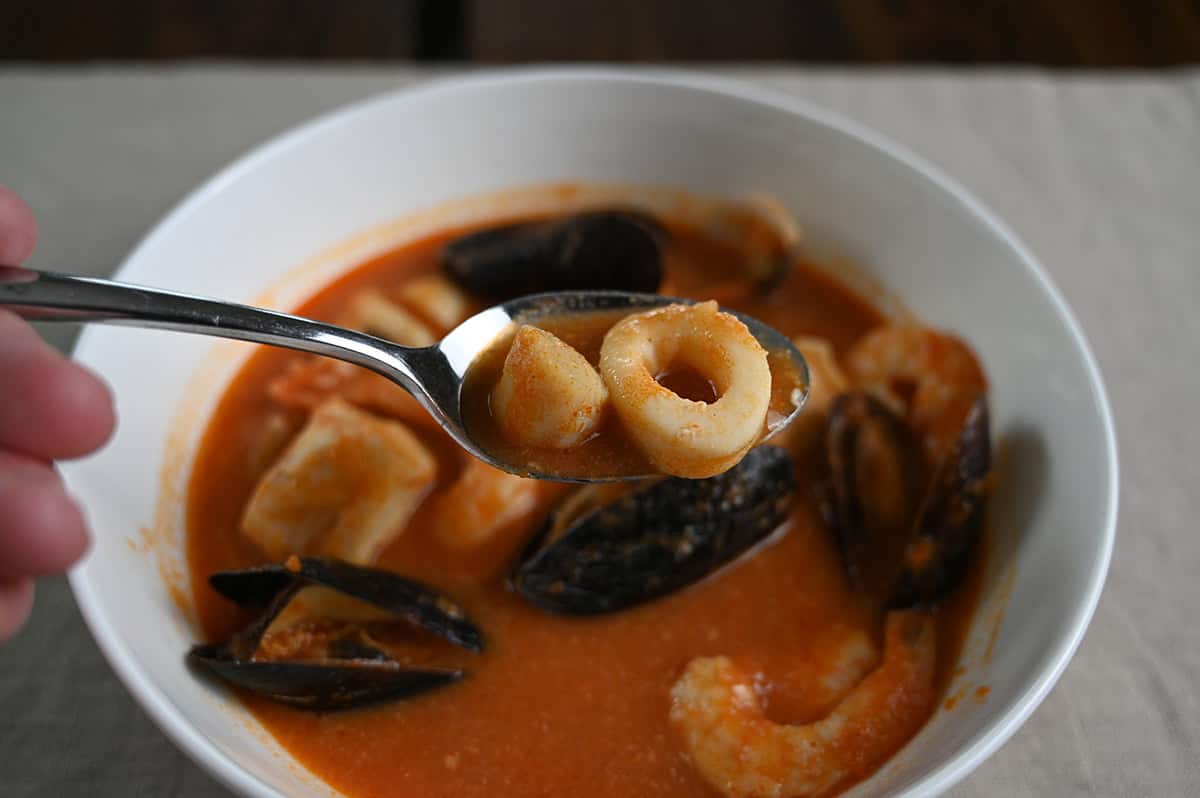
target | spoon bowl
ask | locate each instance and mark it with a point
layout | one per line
(433, 375)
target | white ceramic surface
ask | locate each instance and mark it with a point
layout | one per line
(289, 208)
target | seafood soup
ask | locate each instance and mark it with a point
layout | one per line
(408, 621)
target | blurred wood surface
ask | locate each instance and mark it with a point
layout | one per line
(1097, 33)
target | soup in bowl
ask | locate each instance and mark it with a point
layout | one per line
(848, 606)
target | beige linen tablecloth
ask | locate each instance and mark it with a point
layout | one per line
(1098, 173)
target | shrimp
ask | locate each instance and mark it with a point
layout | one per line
(743, 754)
(930, 376)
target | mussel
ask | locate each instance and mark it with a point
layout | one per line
(764, 231)
(654, 540)
(904, 538)
(314, 646)
(951, 517)
(616, 250)
(871, 495)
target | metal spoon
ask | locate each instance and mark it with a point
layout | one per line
(432, 374)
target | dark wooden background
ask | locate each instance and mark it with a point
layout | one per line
(1101, 33)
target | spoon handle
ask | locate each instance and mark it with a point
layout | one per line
(47, 296)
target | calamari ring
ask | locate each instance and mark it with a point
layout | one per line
(680, 436)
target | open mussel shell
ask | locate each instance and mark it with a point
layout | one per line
(603, 250)
(906, 543)
(764, 231)
(872, 490)
(657, 539)
(420, 605)
(253, 588)
(323, 685)
(950, 520)
(348, 671)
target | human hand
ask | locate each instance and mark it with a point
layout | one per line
(50, 408)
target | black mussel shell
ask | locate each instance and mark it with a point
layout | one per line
(951, 517)
(658, 539)
(872, 490)
(418, 604)
(322, 685)
(351, 671)
(253, 588)
(614, 250)
(764, 232)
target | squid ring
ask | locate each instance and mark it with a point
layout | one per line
(681, 436)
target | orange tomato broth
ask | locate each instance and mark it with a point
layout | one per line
(557, 705)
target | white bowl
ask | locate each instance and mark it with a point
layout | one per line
(313, 202)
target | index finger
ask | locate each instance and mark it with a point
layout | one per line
(18, 232)
(49, 406)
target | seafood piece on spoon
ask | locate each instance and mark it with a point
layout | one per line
(682, 436)
(548, 395)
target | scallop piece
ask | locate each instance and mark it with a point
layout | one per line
(436, 299)
(373, 313)
(548, 395)
(345, 487)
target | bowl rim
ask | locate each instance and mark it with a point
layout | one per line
(174, 722)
